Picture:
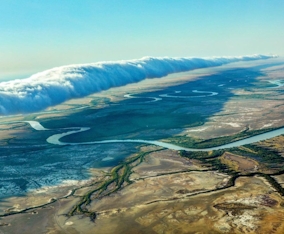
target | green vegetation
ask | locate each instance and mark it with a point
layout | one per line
(117, 178)
(267, 156)
(211, 159)
(201, 155)
(274, 184)
(201, 144)
(262, 154)
(119, 175)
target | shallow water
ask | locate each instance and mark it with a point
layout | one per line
(55, 139)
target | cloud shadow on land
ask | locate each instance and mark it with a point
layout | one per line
(133, 118)
(143, 118)
(57, 85)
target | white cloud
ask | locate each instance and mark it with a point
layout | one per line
(57, 85)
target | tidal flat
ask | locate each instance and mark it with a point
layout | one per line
(140, 188)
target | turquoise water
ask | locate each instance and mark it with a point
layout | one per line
(55, 139)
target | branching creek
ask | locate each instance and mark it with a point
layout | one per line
(119, 176)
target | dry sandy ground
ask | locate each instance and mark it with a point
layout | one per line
(250, 207)
(239, 163)
(167, 203)
(251, 112)
(160, 200)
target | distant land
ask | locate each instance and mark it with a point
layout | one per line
(153, 145)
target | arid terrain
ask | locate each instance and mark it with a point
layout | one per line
(82, 186)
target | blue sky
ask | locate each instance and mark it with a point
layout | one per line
(37, 35)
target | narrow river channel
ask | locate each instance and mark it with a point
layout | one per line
(55, 139)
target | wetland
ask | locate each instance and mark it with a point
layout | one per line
(73, 183)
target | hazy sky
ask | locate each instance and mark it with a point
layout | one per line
(36, 35)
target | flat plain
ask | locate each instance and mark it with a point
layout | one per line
(128, 187)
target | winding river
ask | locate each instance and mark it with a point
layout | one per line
(206, 94)
(55, 139)
(278, 83)
(155, 99)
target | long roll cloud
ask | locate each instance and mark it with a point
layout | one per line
(54, 86)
